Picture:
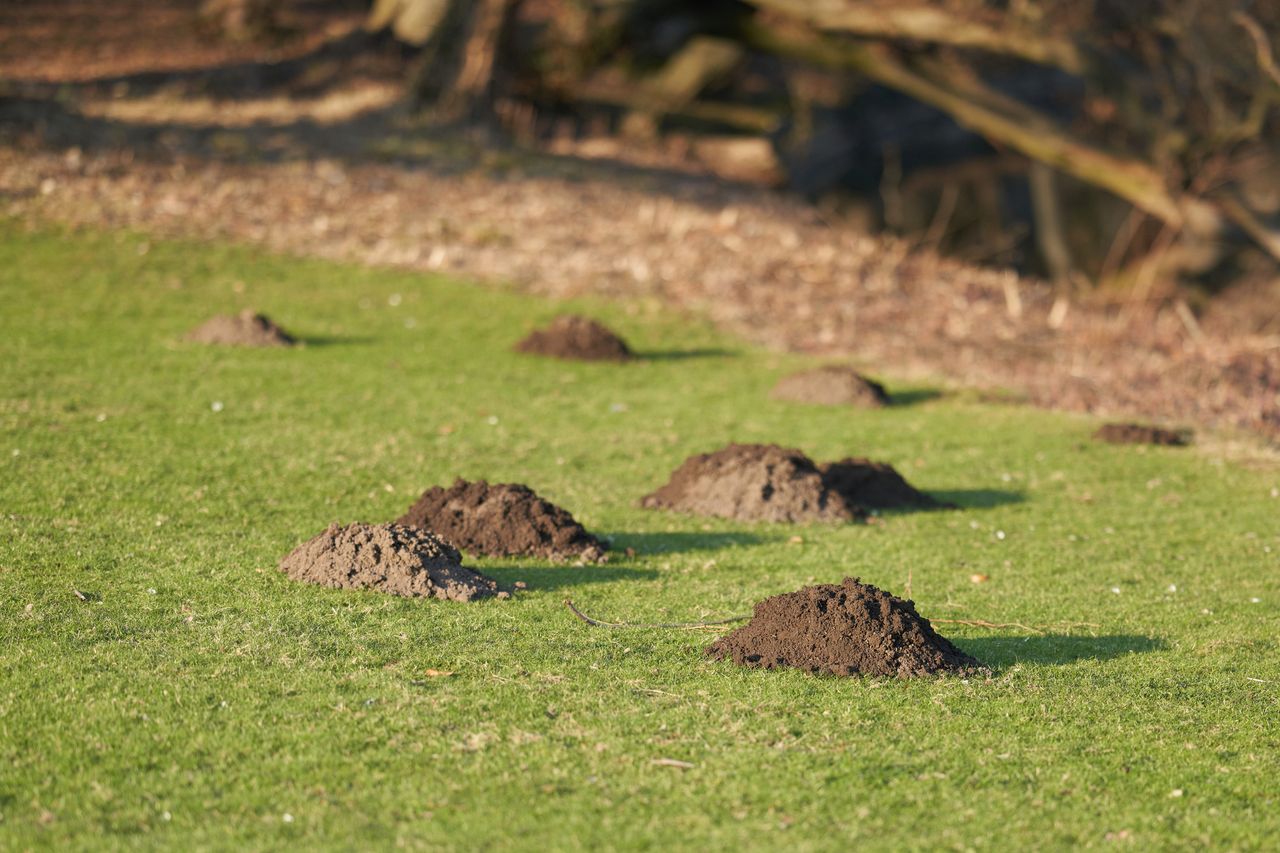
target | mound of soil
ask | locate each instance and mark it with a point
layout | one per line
(389, 558)
(831, 386)
(874, 485)
(246, 329)
(502, 520)
(753, 482)
(575, 337)
(1140, 434)
(842, 629)
(765, 482)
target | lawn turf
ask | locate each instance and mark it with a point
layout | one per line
(199, 699)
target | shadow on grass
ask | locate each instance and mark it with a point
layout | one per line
(333, 340)
(999, 652)
(957, 499)
(915, 396)
(977, 498)
(561, 577)
(684, 354)
(680, 541)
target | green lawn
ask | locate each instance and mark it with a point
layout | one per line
(201, 699)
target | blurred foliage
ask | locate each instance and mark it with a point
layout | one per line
(1167, 107)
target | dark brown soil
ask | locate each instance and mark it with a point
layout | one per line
(246, 329)
(842, 629)
(831, 386)
(575, 337)
(502, 520)
(765, 482)
(389, 558)
(1140, 434)
(874, 485)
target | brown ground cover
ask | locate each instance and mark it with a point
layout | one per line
(1120, 433)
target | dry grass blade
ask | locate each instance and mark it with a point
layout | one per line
(672, 762)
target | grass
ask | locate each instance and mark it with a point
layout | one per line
(200, 699)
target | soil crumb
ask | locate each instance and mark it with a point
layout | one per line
(390, 558)
(850, 628)
(765, 482)
(246, 329)
(502, 520)
(1141, 434)
(831, 386)
(571, 336)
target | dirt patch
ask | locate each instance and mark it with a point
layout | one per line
(502, 520)
(246, 329)
(765, 482)
(1141, 434)
(389, 558)
(831, 386)
(842, 629)
(572, 336)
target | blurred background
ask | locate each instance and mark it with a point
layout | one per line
(1076, 198)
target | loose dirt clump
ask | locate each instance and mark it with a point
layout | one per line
(1140, 434)
(831, 386)
(765, 482)
(842, 629)
(502, 520)
(390, 558)
(246, 329)
(575, 337)
(874, 485)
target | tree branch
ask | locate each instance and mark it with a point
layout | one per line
(930, 24)
(971, 104)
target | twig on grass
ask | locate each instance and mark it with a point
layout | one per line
(672, 762)
(678, 625)
(982, 623)
(972, 623)
(1035, 629)
(1070, 625)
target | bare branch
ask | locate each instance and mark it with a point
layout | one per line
(895, 20)
(1266, 59)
